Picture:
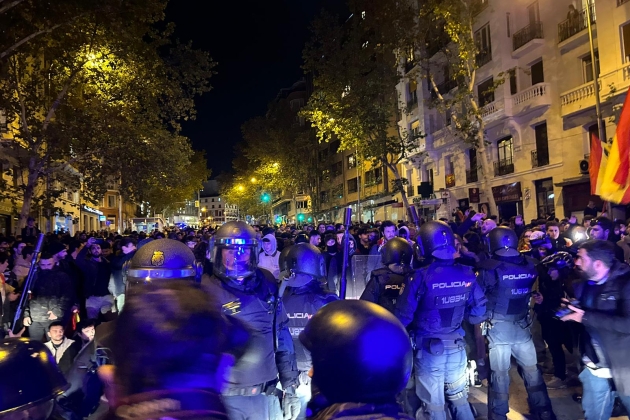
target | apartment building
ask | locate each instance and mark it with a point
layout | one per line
(540, 121)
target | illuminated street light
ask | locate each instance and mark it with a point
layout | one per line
(253, 180)
(240, 188)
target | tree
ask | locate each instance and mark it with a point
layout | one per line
(355, 74)
(445, 46)
(101, 101)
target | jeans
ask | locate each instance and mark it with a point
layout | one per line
(440, 376)
(303, 391)
(247, 408)
(508, 339)
(96, 304)
(37, 331)
(598, 396)
(556, 334)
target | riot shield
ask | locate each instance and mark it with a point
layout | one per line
(361, 266)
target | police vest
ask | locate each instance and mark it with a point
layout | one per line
(390, 287)
(300, 305)
(509, 299)
(444, 298)
(256, 308)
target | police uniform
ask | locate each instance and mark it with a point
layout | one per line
(434, 306)
(251, 295)
(507, 279)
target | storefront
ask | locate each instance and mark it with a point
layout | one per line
(509, 200)
(89, 219)
(63, 223)
(576, 193)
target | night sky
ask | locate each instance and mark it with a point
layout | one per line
(258, 47)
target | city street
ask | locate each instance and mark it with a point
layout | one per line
(563, 405)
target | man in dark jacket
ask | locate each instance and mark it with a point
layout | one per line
(117, 285)
(604, 297)
(52, 298)
(30, 232)
(96, 274)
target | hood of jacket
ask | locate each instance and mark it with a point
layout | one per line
(274, 244)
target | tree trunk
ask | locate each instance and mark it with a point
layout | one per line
(29, 191)
(487, 171)
(403, 193)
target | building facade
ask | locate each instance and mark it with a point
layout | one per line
(539, 121)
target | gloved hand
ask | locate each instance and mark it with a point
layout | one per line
(291, 404)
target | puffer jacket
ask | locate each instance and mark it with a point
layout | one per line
(359, 411)
(52, 291)
(270, 261)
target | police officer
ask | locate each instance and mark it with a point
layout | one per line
(302, 272)
(507, 279)
(362, 359)
(386, 284)
(29, 380)
(434, 306)
(251, 294)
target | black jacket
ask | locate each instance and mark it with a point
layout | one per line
(255, 301)
(607, 318)
(52, 291)
(95, 274)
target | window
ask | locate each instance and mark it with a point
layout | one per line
(542, 145)
(485, 92)
(337, 191)
(587, 67)
(538, 75)
(412, 94)
(353, 185)
(625, 38)
(336, 169)
(513, 84)
(373, 177)
(449, 165)
(213, 206)
(334, 146)
(323, 196)
(325, 176)
(301, 204)
(545, 196)
(111, 201)
(219, 205)
(415, 129)
(213, 200)
(506, 149)
(352, 162)
(533, 13)
(484, 45)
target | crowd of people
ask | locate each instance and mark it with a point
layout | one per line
(471, 293)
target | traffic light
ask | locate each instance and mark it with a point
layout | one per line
(265, 198)
(300, 217)
(278, 220)
(310, 219)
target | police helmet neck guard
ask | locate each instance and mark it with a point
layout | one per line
(437, 240)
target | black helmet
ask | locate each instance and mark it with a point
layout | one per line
(502, 241)
(360, 352)
(162, 259)
(303, 259)
(302, 238)
(240, 241)
(29, 375)
(558, 261)
(437, 239)
(397, 251)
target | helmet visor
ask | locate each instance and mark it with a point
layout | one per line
(235, 261)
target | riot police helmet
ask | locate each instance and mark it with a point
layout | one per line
(503, 242)
(360, 351)
(303, 258)
(397, 251)
(437, 240)
(161, 260)
(30, 380)
(235, 255)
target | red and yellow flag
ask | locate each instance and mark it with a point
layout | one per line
(615, 185)
(597, 163)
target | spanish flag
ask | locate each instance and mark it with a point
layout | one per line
(615, 186)
(597, 162)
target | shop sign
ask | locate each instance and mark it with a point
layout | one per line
(91, 210)
(507, 193)
(433, 202)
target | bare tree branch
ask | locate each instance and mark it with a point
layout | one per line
(9, 5)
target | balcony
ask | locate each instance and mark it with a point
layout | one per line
(472, 175)
(535, 97)
(483, 58)
(538, 161)
(573, 26)
(444, 88)
(496, 110)
(450, 180)
(583, 97)
(527, 39)
(503, 167)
